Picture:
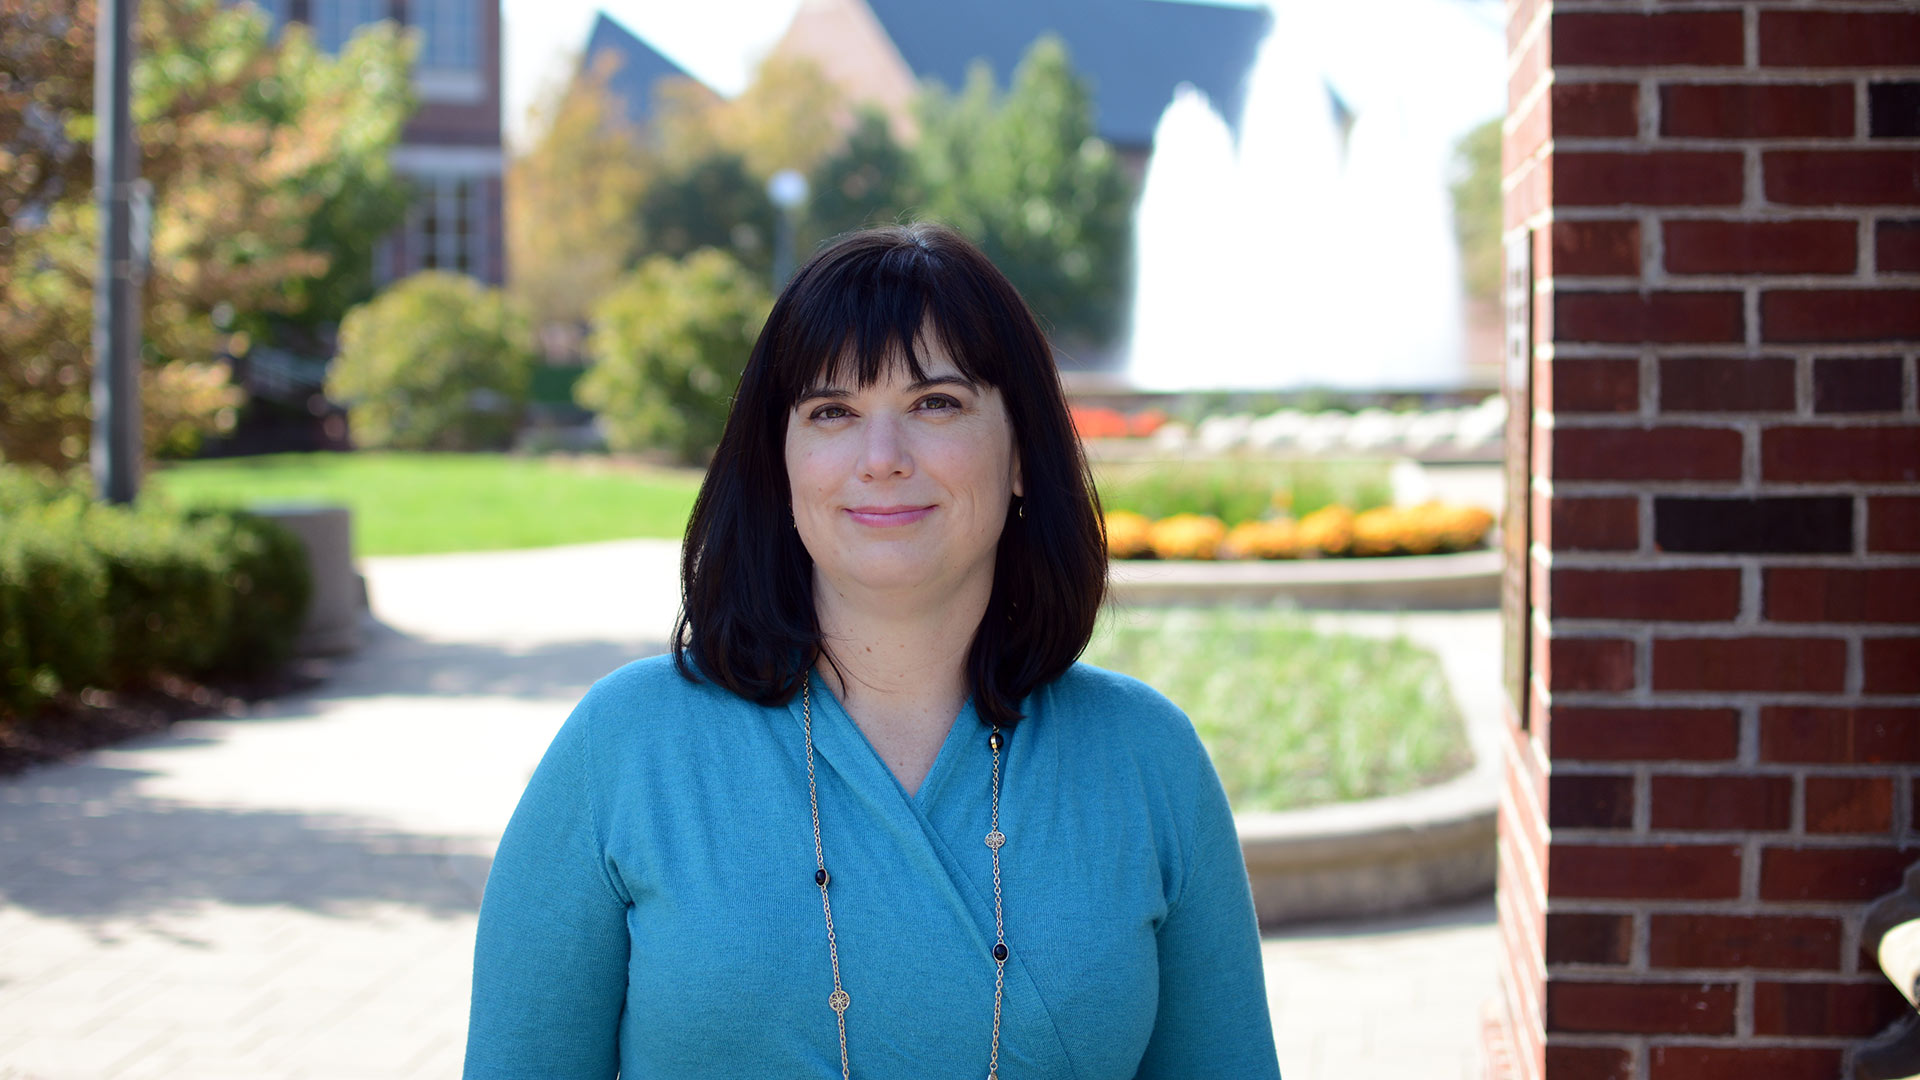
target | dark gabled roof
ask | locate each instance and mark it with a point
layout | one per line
(1132, 52)
(640, 66)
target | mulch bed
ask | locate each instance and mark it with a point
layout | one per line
(73, 724)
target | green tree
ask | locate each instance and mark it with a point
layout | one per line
(867, 181)
(573, 199)
(1025, 177)
(668, 347)
(363, 97)
(436, 362)
(1476, 209)
(268, 167)
(713, 202)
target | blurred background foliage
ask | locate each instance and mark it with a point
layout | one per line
(668, 346)
(1476, 210)
(1020, 172)
(437, 361)
(268, 161)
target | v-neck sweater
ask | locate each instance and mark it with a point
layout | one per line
(651, 910)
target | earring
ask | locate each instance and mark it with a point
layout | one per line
(1021, 510)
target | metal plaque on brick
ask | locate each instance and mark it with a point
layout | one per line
(1516, 611)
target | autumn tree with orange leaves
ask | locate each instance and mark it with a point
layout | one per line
(268, 162)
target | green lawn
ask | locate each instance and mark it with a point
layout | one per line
(1290, 716)
(418, 504)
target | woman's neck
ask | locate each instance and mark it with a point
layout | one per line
(898, 664)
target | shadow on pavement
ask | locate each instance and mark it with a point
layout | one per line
(79, 841)
(1467, 913)
(76, 842)
(390, 662)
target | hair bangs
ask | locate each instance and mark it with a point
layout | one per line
(854, 324)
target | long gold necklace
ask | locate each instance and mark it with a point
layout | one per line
(840, 1000)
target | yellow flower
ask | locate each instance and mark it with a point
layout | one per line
(1328, 530)
(1425, 529)
(1187, 536)
(1127, 535)
(1262, 540)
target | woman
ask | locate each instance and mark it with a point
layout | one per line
(871, 819)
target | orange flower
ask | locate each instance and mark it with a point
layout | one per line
(1328, 530)
(1128, 535)
(1262, 540)
(1187, 536)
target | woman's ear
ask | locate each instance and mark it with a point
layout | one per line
(1019, 485)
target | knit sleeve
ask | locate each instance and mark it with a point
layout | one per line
(550, 956)
(1212, 1018)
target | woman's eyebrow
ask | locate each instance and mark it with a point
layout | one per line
(932, 381)
(915, 387)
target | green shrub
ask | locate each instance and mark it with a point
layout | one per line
(111, 597)
(265, 571)
(669, 343)
(436, 362)
(1240, 491)
(166, 598)
(54, 633)
(25, 486)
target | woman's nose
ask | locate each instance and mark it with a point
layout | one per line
(883, 451)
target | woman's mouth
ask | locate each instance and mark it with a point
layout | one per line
(884, 517)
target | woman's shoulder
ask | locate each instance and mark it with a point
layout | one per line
(653, 695)
(1118, 708)
(1086, 686)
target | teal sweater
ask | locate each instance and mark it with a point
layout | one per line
(652, 912)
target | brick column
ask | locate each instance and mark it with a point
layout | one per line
(1711, 766)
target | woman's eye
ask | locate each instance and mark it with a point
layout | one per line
(938, 403)
(830, 412)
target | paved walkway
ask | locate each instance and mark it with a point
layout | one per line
(292, 893)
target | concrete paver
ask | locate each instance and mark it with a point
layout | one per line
(292, 893)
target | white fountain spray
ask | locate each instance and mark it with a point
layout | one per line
(1309, 256)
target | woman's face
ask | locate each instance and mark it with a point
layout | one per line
(902, 486)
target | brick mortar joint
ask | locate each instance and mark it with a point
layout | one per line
(1743, 909)
(1566, 627)
(1630, 561)
(1621, 975)
(1729, 421)
(1727, 144)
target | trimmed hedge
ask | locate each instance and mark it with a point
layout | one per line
(266, 572)
(53, 606)
(116, 598)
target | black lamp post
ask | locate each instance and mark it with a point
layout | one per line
(116, 288)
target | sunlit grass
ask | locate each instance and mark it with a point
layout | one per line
(1293, 717)
(418, 504)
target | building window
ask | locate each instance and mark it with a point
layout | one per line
(449, 33)
(334, 21)
(445, 225)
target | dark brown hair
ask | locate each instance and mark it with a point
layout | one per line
(747, 618)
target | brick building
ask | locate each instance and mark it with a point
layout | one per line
(451, 148)
(1713, 214)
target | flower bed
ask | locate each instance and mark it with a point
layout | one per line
(1430, 528)
(1099, 422)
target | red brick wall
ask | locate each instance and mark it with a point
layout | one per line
(1716, 770)
(466, 124)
